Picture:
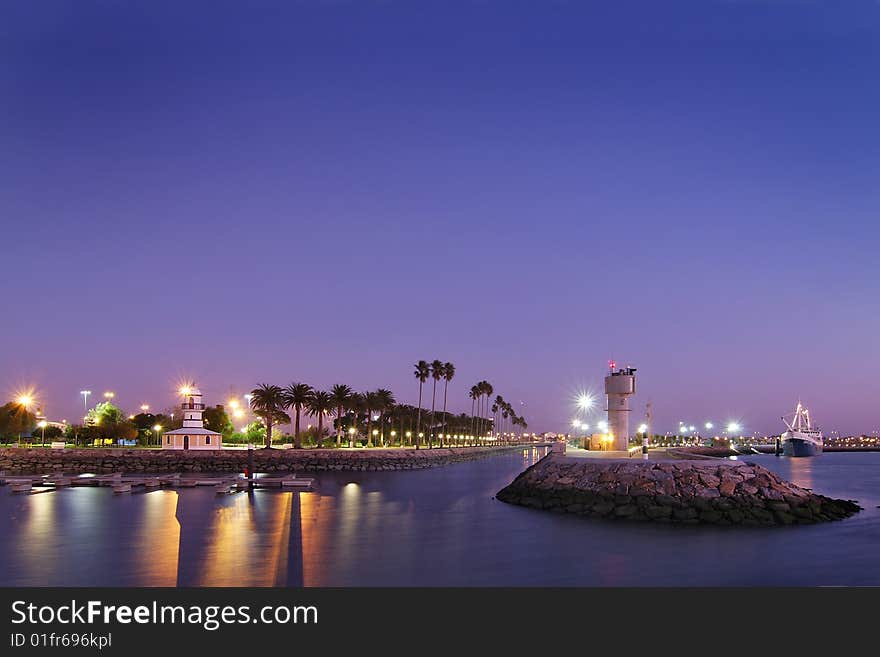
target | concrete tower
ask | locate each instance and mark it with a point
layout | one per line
(619, 386)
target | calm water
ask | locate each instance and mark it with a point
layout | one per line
(430, 527)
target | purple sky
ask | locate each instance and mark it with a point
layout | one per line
(329, 191)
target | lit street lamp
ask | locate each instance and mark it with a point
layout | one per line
(156, 429)
(85, 394)
(42, 424)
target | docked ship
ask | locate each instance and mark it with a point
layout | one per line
(802, 438)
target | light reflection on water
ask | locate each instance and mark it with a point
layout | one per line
(429, 527)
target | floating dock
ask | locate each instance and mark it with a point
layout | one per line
(137, 483)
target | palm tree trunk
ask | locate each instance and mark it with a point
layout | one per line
(339, 425)
(296, 441)
(445, 430)
(473, 401)
(268, 434)
(431, 428)
(320, 429)
(369, 428)
(419, 418)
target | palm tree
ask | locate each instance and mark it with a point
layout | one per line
(473, 394)
(436, 374)
(340, 394)
(296, 396)
(267, 401)
(421, 373)
(448, 374)
(356, 404)
(386, 402)
(497, 406)
(372, 403)
(487, 390)
(320, 403)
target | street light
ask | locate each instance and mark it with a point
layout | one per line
(157, 428)
(585, 401)
(145, 407)
(351, 433)
(42, 424)
(85, 394)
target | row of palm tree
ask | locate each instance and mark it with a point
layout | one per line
(503, 411)
(271, 403)
(354, 410)
(437, 370)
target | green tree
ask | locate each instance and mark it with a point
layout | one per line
(340, 394)
(267, 402)
(216, 419)
(320, 403)
(15, 420)
(105, 413)
(296, 396)
(423, 370)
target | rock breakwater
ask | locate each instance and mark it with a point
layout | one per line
(685, 492)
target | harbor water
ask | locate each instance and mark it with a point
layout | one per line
(435, 527)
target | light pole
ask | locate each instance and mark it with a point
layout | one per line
(156, 429)
(351, 433)
(42, 424)
(85, 394)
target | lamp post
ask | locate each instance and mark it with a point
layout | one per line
(156, 429)
(351, 433)
(42, 424)
(85, 394)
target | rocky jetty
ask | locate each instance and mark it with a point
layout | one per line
(156, 461)
(686, 492)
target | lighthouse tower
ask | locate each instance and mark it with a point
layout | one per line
(619, 387)
(193, 434)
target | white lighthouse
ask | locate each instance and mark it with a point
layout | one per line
(619, 386)
(193, 434)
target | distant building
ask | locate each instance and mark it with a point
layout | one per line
(193, 434)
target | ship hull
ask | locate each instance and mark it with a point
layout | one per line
(800, 447)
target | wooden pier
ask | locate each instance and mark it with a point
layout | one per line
(121, 484)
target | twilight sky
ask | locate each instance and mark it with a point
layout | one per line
(329, 191)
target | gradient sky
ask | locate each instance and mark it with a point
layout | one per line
(329, 191)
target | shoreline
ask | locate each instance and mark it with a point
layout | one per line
(19, 461)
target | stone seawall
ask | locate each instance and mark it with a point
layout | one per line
(78, 461)
(686, 492)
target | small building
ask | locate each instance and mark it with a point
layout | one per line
(193, 434)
